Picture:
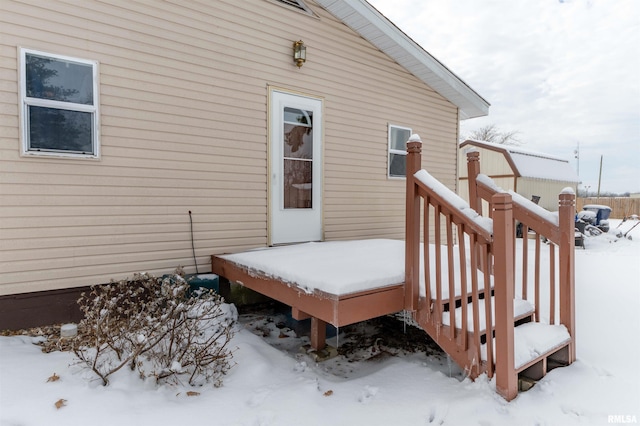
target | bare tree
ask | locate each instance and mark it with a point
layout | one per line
(491, 133)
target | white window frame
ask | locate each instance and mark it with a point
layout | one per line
(26, 102)
(395, 151)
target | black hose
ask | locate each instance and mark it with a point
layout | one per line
(193, 247)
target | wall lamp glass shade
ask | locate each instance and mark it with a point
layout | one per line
(299, 53)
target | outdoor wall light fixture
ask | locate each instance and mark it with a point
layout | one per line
(299, 53)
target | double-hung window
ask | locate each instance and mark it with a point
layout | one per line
(398, 137)
(59, 97)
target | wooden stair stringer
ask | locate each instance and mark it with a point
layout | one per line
(466, 354)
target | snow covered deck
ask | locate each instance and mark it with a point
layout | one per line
(338, 282)
(334, 267)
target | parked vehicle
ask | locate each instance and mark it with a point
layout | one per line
(596, 215)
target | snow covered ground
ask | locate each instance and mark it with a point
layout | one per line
(273, 385)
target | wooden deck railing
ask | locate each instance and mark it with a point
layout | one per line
(554, 232)
(464, 293)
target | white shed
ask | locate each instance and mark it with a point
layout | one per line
(534, 175)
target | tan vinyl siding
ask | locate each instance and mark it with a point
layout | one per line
(183, 110)
(492, 163)
(547, 190)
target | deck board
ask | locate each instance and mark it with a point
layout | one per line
(301, 287)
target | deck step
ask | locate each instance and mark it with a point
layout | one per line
(521, 309)
(534, 341)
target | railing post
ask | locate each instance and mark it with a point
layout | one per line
(503, 233)
(566, 220)
(473, 170)
(475, 202)
(412, 226)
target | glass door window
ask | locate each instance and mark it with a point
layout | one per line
(298, 159)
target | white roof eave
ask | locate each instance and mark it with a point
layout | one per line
(374, 27)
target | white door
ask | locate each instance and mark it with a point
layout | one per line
(295, 193)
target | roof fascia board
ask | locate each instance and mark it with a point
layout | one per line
(410, 55)
(511, 149)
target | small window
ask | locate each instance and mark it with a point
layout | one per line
(398, 137)
(59, 99)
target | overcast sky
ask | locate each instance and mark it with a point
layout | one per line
(561, 73)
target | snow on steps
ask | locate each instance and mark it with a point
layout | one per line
(534, 340)
(521, 309)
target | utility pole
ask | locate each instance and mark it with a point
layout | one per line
(576, 153)
(599, 179)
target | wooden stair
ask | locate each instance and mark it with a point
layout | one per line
(536, 345)
(522, 310)
(538, 348)
(467, 294)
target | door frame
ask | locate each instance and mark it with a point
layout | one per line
(272, 179)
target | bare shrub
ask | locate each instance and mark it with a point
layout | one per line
(158, 327)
